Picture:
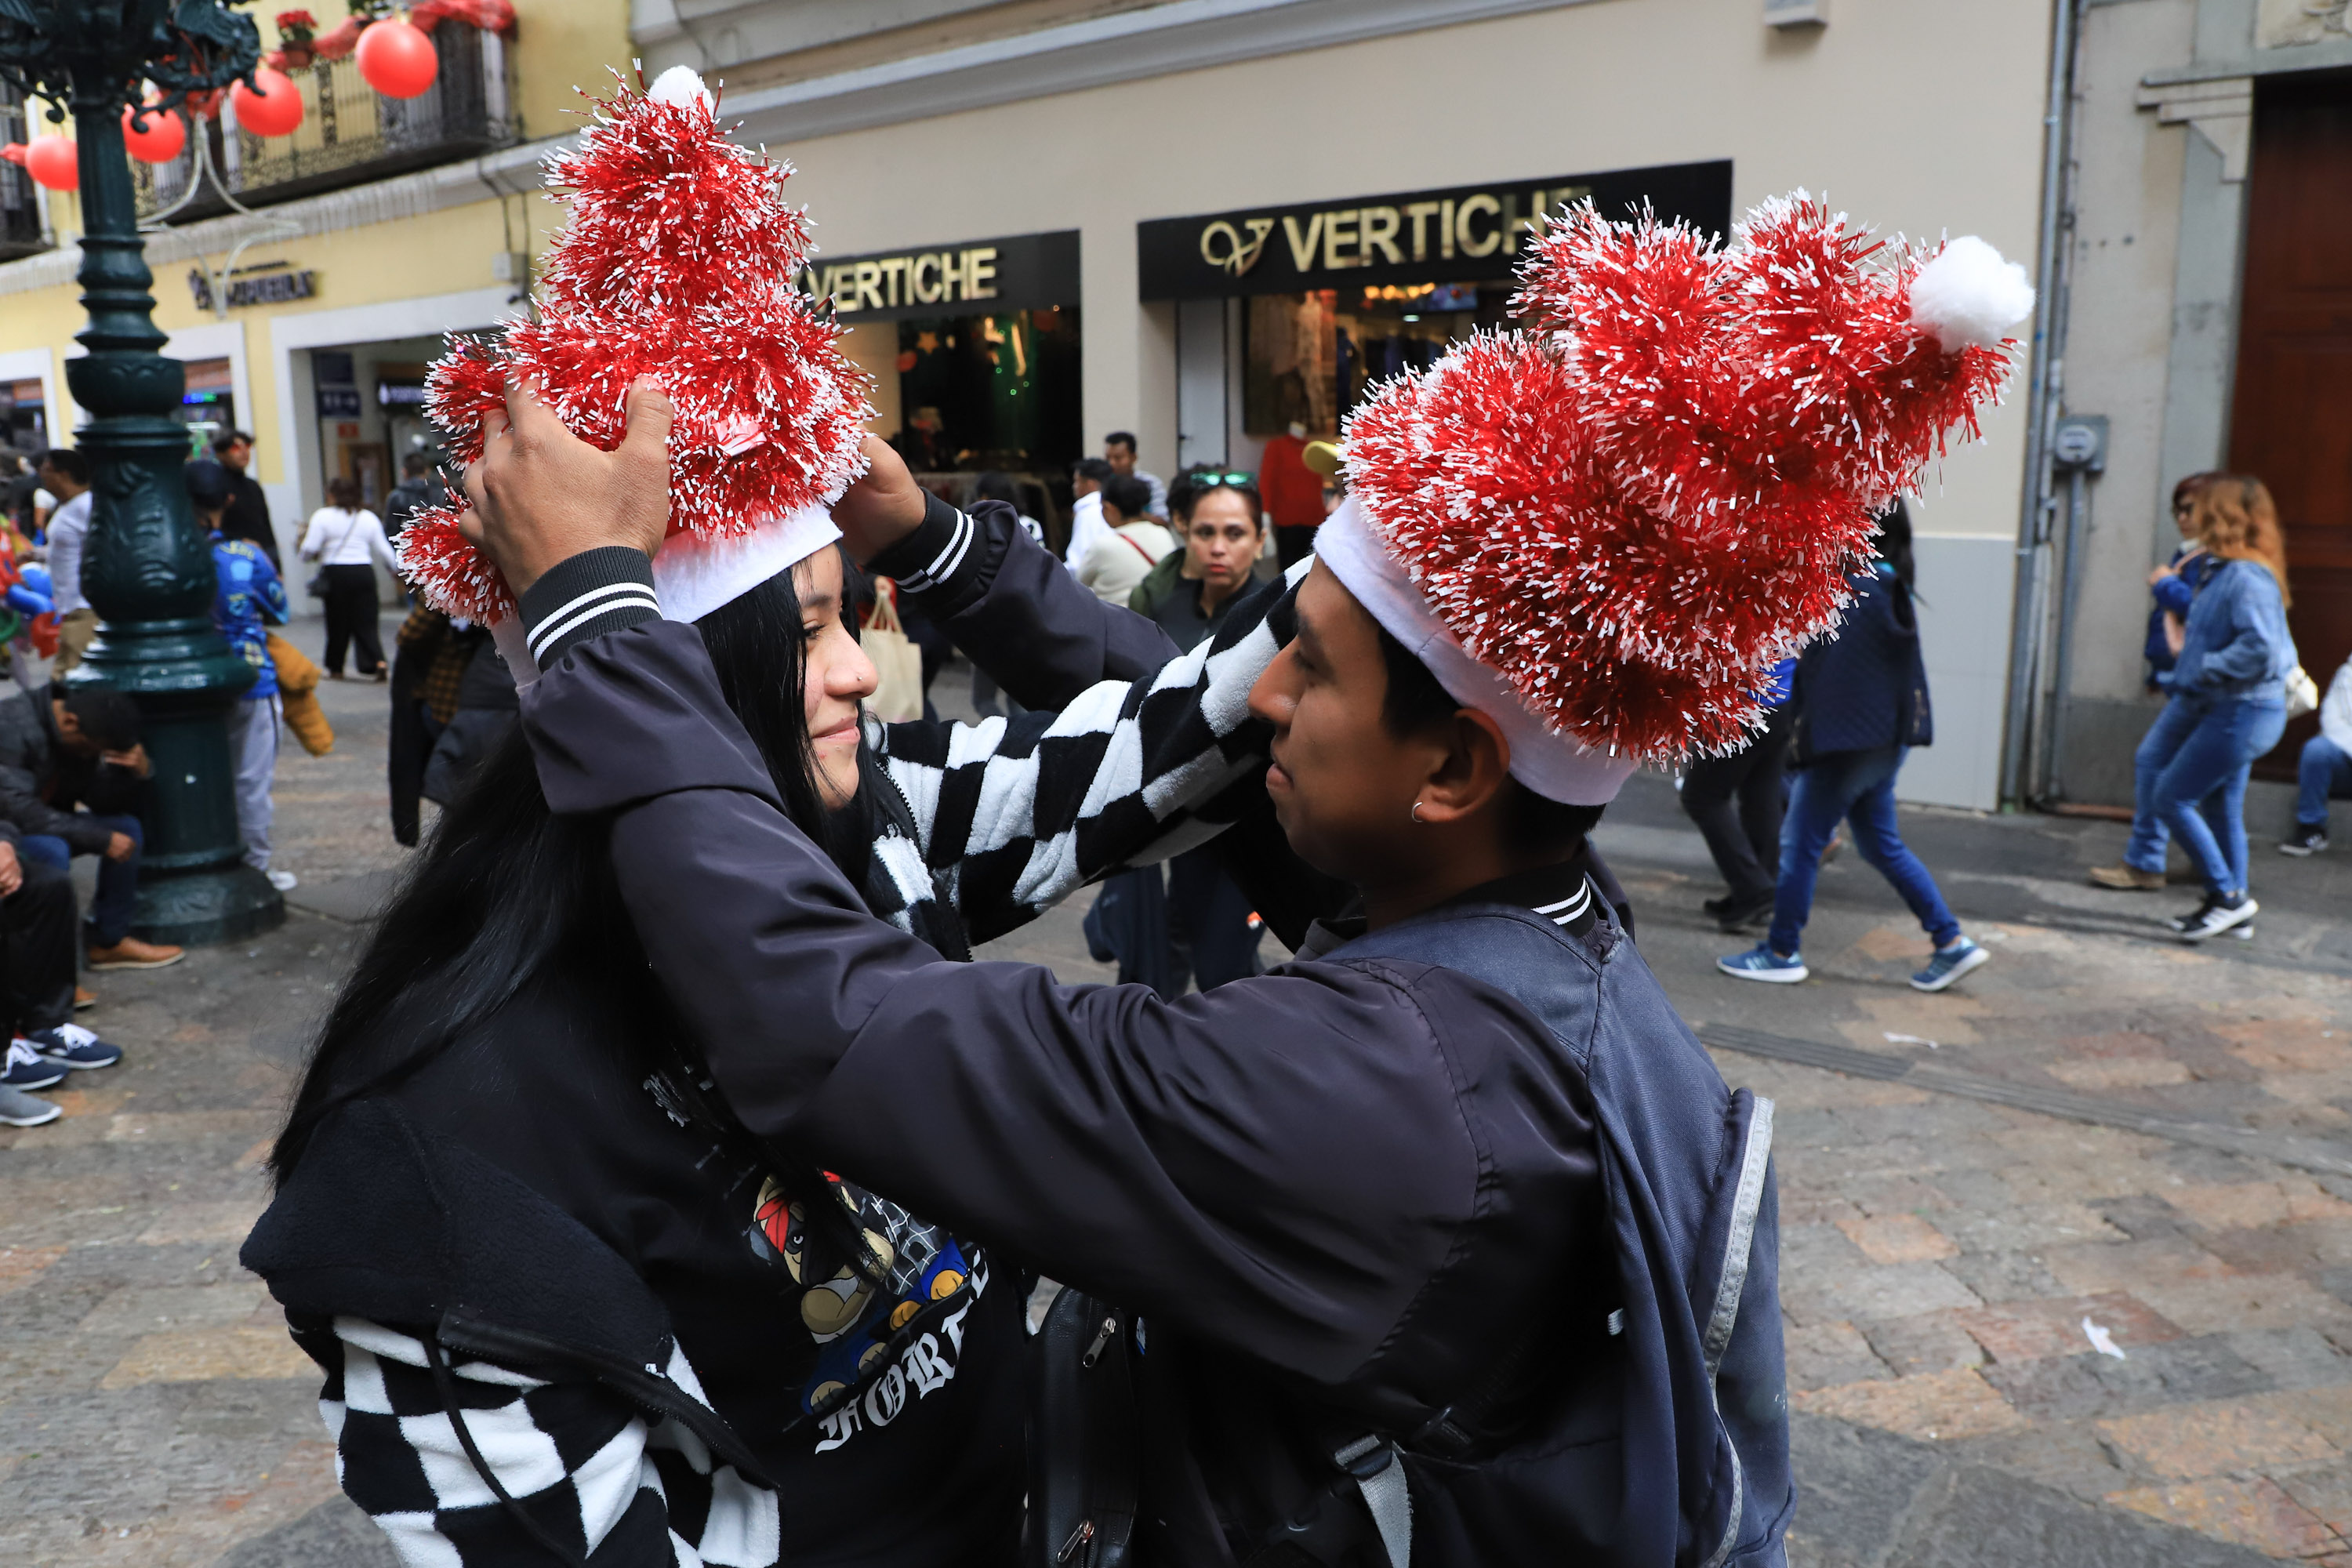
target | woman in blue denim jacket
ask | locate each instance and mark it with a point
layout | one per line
(2227, 706)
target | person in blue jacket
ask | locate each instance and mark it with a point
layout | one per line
(1449, 1242)
(2228, 701)
(249, 599)
(1862, 704)
(2173, 586)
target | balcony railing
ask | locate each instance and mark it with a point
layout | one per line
(349, 134)
(20, 200)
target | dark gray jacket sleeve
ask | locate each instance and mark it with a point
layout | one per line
(1282, 1165)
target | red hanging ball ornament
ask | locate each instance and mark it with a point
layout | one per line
(161, 141)
(396, 58)
(275, 110)
(53, 161)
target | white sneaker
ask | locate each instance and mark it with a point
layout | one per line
(2216, 916)
(284, 881)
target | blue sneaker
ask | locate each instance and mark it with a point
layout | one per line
(71, 1045)
(27, 1069)
(1761, 962)
(1948, 965)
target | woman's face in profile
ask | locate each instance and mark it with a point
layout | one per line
(837, 678)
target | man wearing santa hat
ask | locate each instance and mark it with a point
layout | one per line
(1446, 1243)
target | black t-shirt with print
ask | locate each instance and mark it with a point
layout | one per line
(926, 1464)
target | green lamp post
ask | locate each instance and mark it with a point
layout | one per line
(147, 568)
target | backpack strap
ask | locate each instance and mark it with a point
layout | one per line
(1379, 1469)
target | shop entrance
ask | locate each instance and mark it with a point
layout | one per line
(367, 414)
(2291, 410)
(973, 348)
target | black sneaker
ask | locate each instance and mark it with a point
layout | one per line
(1738, 914)
(2305, 841)
(2216, 916)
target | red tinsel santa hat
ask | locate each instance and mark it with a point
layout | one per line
(678, 262)
(1605, 532)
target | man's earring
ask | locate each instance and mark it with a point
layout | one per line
(1416, 811)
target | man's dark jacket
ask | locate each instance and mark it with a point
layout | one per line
(41, 783)
(1342, 1187)
(248, 516)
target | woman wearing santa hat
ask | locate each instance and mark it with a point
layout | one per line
(568, 1301)
(1446, 1244)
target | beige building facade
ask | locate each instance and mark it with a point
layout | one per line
(1196, 220)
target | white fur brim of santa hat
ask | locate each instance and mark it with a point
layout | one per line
(693, 576)
(1556, 766)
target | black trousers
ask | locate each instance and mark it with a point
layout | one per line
(36, 925)
(1209, 925)
(351, 619)
(1738, 802)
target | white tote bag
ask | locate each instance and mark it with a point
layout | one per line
(898, 695)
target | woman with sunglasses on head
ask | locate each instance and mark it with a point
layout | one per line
(1212, 930)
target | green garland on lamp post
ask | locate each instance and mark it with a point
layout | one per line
(147, 568)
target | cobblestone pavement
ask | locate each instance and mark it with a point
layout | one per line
(1942, 1254)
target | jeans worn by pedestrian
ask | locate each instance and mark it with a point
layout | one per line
(2324, 774)
(1859, 787)
(2201, 749)
(111, 910)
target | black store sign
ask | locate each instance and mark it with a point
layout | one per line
(1469, 234)
(1023, 272)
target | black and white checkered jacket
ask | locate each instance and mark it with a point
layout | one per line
(1123, 760)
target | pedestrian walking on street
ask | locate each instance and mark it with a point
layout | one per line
(248, 600)
(2325, 769)
(248, 516)
(2173, 586)
(1738, 802)
(420, 487)
(2228, 702)
(345, 538)
(1119, 451)
(1861, 706)
(65, 473)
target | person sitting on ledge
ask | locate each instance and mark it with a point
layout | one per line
(71, 767)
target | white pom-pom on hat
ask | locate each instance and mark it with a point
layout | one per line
(1969, 297)
(679, 86)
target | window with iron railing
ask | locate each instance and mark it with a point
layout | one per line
(21, 231)
(349, 134)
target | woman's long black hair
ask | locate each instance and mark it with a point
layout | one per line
(507, 893)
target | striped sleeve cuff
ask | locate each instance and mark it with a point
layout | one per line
(594, 592)
(943, 549)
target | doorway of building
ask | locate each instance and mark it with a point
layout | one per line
(2291, 421)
